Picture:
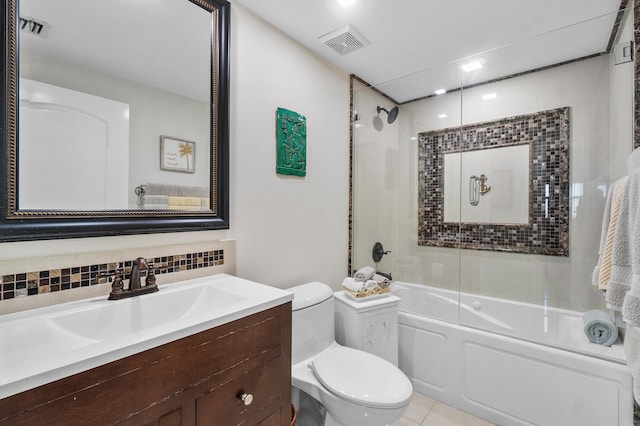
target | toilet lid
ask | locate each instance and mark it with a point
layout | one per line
(362, 378)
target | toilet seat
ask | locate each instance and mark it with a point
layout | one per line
(361, 378)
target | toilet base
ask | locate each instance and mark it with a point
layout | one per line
(330, 421)
(309, 412)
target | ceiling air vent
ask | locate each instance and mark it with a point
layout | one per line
(344, 40)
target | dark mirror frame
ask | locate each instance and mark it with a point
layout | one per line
(16, 225)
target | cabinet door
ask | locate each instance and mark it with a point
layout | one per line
(379, 335)
(173, 418)
(273, 420)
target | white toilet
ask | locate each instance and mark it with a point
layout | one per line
(355, 388)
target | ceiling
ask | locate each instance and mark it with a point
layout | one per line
(417, 46)
(164, 44)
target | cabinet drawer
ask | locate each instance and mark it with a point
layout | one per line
(224, 406)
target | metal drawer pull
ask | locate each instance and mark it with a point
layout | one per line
(247, 398)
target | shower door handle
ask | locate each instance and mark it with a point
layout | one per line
(474, 190)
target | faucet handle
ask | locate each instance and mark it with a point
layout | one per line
(150, 280)
(151, 277)
(117, 287)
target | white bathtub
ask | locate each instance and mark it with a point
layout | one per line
(534, 365)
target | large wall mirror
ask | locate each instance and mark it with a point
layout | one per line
(115, 117)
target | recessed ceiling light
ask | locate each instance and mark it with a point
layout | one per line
(413, 138)
(472, 66)
(489, 96)
(346, 3)
(440, 92)
(442, 115)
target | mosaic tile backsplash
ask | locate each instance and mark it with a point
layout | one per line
(547, 233)
(39, 282)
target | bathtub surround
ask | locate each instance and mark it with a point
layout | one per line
(547, 233)
(388, 213)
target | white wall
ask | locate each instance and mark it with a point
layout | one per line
(290, 230)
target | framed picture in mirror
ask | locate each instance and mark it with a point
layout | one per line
(177, 155)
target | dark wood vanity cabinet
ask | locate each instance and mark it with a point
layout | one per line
(196, 380)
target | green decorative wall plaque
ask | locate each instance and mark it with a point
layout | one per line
(292, 143)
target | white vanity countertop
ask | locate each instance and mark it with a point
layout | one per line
(42, 345)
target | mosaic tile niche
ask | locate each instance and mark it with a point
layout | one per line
(547, 233)
(39, 282)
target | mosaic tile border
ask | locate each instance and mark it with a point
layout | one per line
(40, 282)
(547, 133)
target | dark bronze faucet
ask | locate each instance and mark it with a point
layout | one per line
(135, 288)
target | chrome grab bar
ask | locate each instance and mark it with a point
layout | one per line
(474, 190)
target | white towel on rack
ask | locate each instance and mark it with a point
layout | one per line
(631, 306)
(620, 281)
(630, 218)
(606, 219)
(632, 352)
(604, 273)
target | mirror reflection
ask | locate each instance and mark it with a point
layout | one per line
(102, 87)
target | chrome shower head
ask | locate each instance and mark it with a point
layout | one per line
(391, 115)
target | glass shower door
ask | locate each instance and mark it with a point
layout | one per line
(394, 201)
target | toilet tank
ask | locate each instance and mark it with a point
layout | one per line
(312, 320)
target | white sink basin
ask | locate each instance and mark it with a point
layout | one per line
(43, 345)
(109, 320)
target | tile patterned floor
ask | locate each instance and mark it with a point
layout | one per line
(424, 411)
